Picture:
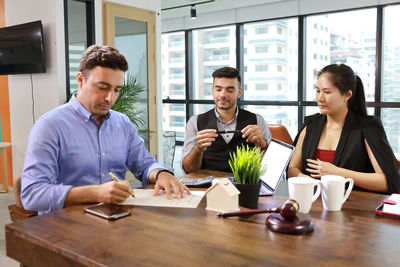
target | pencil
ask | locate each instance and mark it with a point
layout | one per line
(114, 177)
(117, 180)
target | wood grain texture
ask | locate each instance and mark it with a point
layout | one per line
(196, 237)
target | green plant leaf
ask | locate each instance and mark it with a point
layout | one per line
(245, 164)
(128, 103)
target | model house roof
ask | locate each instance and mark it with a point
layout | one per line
(226, 185)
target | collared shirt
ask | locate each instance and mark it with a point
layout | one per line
(67, 148)
(191, 131)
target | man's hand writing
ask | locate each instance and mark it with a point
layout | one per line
(114, 192)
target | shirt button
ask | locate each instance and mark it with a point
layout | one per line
(103, 175)
(103, 154)
(86, 120)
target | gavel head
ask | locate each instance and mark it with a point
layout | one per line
(289, 209)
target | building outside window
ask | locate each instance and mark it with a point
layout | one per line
(269, 57)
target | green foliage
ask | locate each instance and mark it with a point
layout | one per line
(246, 164)
(128, 103)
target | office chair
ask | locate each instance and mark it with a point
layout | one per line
(280, 132)
(17, 211)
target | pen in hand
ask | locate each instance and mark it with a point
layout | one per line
(225, 132)
(116, 179)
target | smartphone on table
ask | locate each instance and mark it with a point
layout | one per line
(108, 211)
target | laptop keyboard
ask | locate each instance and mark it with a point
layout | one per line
(264, 191)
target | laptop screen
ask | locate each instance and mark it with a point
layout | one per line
(275, 161)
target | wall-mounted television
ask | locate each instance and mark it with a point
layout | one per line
(21, 49)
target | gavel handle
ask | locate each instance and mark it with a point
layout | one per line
(225, 214)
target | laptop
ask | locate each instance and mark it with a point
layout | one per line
(275, 161)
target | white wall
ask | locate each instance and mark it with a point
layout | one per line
(49, 87)
(236, 12)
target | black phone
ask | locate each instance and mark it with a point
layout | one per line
(108, 211)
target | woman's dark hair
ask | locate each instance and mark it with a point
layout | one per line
(343, 77)
(103, 56)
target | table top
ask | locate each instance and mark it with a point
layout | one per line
(173, 236)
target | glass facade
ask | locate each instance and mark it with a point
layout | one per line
(344, 37)
(268, 58)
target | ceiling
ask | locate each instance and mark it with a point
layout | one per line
(217, 5)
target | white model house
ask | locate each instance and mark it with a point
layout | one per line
(222, 196)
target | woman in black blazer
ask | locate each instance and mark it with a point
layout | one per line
(342, 139)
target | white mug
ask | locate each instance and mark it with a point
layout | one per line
(333, 195)
(301, 189)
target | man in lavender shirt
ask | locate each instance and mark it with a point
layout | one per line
(73, 147)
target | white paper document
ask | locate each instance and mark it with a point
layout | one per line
(144, 197)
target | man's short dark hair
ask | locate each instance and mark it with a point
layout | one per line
(227, 72)
(103, 56)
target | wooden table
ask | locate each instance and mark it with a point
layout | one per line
(3, 154)
(196, 237)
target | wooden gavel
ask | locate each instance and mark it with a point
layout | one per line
(288, 210)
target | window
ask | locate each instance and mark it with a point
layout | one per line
(271, 76)
(176, 107)
(173, 65)
(177, 73)
(260, 30)
(391, 76)
(261, 86)
(346, 34)
(391, 56)
(215, 56)
(177, 57)
(261, 49)
(176, 90)
(261, 68)
(79, 34)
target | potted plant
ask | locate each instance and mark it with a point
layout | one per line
(128, 102)
(246, 168)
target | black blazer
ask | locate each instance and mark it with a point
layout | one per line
(351, 152)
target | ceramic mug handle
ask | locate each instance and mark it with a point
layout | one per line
(318, 192)
(351, 184)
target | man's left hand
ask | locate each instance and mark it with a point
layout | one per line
(166, 181)
(253, 134)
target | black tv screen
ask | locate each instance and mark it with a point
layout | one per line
(21, 49)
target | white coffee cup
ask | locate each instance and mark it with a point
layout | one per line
(333, 195)
(301, 189)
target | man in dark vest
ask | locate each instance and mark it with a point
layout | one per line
(211, 136)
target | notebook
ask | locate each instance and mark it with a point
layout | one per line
(275, 161)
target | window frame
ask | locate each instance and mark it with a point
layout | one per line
(90, 35)
(300, 103)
